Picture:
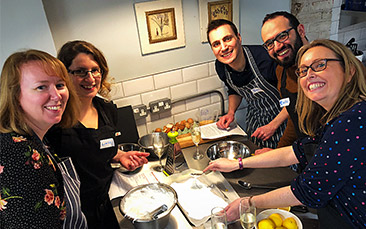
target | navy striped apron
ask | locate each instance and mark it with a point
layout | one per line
(263, 103)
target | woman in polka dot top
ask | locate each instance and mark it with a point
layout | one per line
(331, 103)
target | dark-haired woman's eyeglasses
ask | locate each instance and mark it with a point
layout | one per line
(83, 73)
(316, 66)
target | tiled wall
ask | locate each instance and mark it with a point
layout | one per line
(175, 84)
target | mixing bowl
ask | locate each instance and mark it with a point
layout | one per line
(138, 204)
(146, 143)
(228, 149)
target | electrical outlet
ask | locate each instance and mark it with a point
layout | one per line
(139, 111)
(154, 107)
(167, 104)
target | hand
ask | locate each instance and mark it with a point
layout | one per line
(225, 121)
(232, 210)
(259, 151)
(264, 132)
(131, 160)
(222, 165)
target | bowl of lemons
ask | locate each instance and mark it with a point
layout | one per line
(277, 219)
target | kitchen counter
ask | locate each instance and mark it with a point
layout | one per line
(277, 177)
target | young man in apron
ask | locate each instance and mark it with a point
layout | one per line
(283, 36)
(249, 73)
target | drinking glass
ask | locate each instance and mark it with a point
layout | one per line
(196, 138)
(247, 214)
(158, 146)
(218, 218)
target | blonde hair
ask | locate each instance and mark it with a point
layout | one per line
(312, 115)
(11, 114)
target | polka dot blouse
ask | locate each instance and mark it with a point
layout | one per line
(336, 174)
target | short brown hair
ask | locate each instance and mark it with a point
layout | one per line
(11, 113)
(71, 49)
(311, 114)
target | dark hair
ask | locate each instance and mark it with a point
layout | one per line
(71, 49)
(293, 22)
(217, 23)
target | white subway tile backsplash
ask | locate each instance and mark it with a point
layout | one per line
(183, 90)
(155, 95)
(178, 107)
(138, 86)
(117, 91)
(198, 102)
(168, 79)
(131, 100)
(186, 115)
(211, 68)
(195, 72)
(209, 84)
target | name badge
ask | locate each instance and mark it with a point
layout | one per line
(256, 90)
(106, 143)
(284, 102)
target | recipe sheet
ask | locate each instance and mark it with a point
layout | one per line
(211, 131)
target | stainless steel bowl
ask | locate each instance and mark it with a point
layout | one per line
(142, 199)
(228, 149)
(146, 143)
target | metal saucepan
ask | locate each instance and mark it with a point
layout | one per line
(149, 206)
(228, 149)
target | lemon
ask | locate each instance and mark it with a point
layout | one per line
(280, 227)
(290, 223)
(285, 208)
(266, 224)
(277, 219)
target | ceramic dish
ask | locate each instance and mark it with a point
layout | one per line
(285, 214)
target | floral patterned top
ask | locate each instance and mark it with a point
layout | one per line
(32, 192)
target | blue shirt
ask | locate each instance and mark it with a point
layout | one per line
(336, 174)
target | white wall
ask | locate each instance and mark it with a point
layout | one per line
(111, 26)
(23, 24)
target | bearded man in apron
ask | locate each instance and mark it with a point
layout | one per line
(249, 73)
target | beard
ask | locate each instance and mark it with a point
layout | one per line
(290, 60)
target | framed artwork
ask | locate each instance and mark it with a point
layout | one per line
(160, 25)
(217, 9)
(220, 10)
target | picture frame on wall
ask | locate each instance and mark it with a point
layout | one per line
(220, 10)
(217, 9)
(160, 25)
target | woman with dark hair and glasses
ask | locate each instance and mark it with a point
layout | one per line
(93, 143)
(332, 112)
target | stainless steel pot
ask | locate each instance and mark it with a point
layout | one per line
(228, 149)
(148, 200)
(146, 143)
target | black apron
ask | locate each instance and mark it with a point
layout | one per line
(263, 103)
(291, 108)
(97, 148)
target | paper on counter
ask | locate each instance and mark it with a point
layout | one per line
(211, 131)
(197, 202)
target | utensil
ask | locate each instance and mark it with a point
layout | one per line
(146, 143)
(218, 218)
(143, 205)
(248, 185)
(227, 149)
(248, 213)
(213, 186)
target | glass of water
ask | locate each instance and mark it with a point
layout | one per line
(248, 213)
(218, 218)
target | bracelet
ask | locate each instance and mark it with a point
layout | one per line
(241, 166)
